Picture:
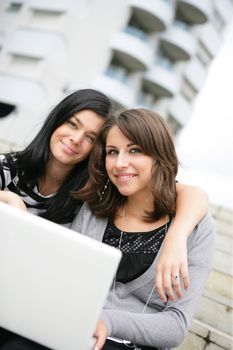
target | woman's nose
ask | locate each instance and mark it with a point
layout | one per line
(77, 137)
(122, 160)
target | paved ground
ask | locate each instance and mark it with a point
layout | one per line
(212, 328)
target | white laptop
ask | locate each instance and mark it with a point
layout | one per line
(53, 281)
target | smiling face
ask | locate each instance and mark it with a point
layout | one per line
(128, 168)
(73, 141)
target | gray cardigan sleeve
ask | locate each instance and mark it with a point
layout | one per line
(87, 224)
(168, 324)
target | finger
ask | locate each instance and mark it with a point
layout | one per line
(100, 340)
(176, 283)
(185, 276)
(95, 345)
(167, 285)
(159, 286)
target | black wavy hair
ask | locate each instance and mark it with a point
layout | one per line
(30, 164)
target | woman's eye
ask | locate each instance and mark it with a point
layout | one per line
(111, 152)
(72, 124)
(91, 138)
(135, 150)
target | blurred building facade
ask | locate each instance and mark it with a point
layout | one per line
(151, 53)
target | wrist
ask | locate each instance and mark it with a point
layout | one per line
(178, 232)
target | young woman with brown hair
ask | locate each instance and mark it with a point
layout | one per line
(133, 171)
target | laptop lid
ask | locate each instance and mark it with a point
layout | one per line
(53, 281)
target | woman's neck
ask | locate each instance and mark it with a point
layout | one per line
(53, 178)
(131, 216)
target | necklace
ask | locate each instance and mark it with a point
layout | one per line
(119, 247)
(127, 343)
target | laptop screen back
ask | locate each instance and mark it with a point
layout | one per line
(53, 281)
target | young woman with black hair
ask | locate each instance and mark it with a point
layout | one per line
(55, 162)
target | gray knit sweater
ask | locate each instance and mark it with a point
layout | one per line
(162, 325)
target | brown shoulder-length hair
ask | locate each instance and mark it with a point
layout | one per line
(148, 130)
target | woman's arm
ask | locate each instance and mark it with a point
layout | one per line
(12, 199)
(191, 207)
(162, 325)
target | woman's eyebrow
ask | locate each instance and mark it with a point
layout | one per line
(82, 125)
(128, 145)
(108, 146)
(77, 119)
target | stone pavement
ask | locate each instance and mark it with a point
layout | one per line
(212, 327)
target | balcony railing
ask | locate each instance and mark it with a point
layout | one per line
(133, 49)
(178, 43)
(194, 11)
(153, 16)
(161, 81)
(137, 33)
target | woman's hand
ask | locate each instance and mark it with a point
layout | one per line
(172, 268)
(100, 334)
(12, 199)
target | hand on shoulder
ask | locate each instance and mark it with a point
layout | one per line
(172, 269)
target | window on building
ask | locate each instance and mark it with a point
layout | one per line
(45, 17)
(116, 64)
(174, 124)
(146, 99)
(14, 6)
(217, 21)
(117, 72)
(6, 109)
(181, 17)
(47, 14)
(161, 55)
(138, 33)
(188, 91)
(136, 23)
(23, 64)
(203, 54)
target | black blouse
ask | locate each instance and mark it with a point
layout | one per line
(145, 244)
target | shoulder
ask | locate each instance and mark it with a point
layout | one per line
(84, 212)
(87, 223)
(77, 222)
(206, 226)
(201, 242)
